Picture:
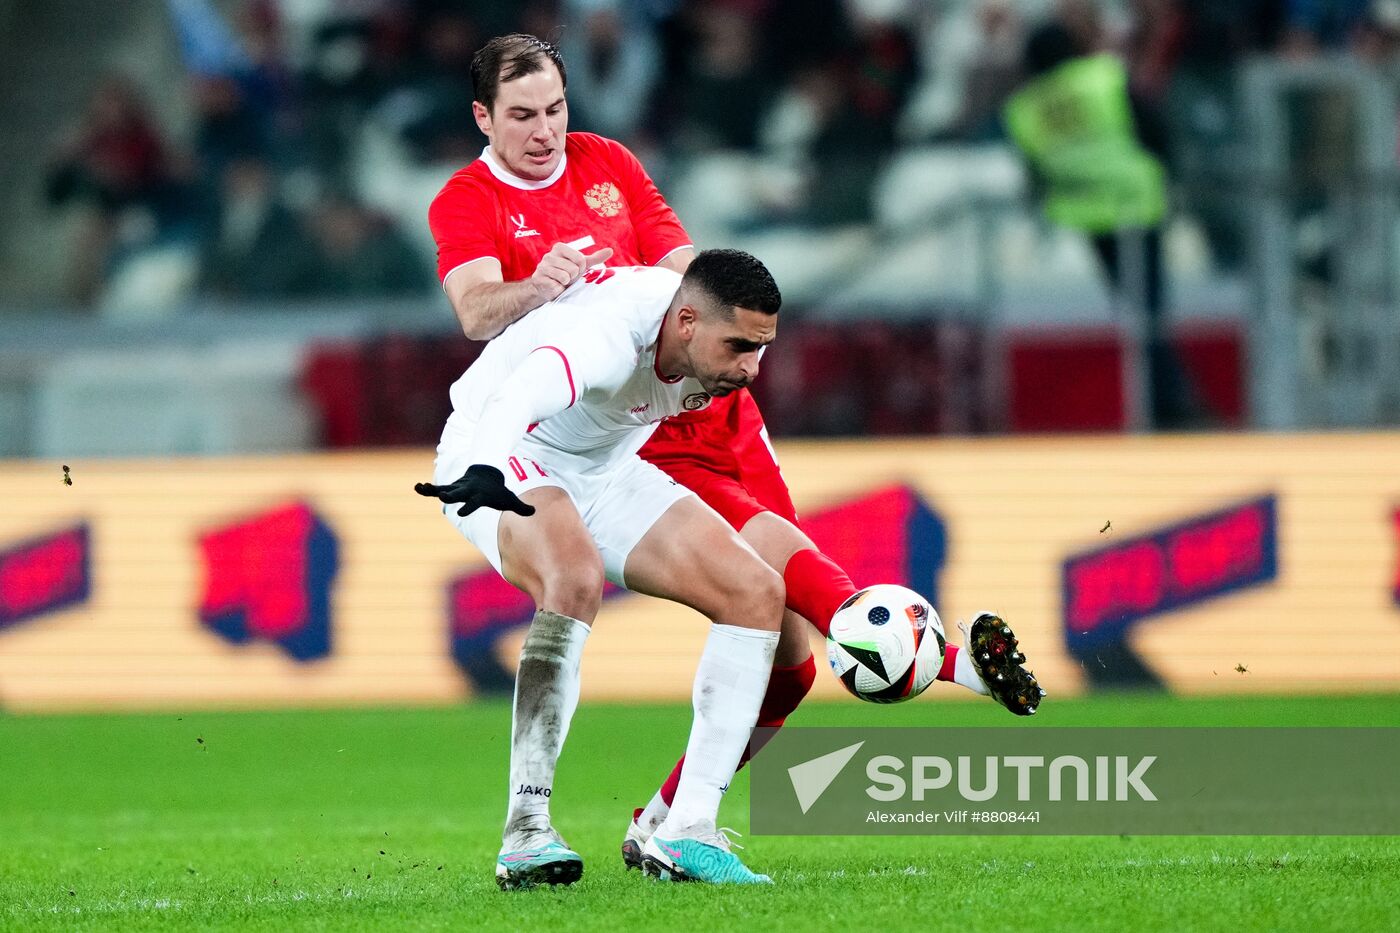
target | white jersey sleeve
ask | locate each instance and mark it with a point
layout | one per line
(595, 357)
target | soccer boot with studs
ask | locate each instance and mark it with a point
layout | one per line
(704, 856)
(633, 842)
(537, 858)
(992, 648)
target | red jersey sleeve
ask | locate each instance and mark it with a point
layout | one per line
(464, 220)
(659, 231)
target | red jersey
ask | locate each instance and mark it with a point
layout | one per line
(599, 190)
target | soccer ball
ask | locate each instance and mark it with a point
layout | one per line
(886, 644)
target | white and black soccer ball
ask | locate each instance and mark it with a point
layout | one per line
(886, 644)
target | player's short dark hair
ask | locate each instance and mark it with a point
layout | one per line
(734, 279)
(506, 58)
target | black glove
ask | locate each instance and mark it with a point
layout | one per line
(481, 486)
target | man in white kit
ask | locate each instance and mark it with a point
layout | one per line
(541, 453)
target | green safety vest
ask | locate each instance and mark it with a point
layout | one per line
(1075, 125)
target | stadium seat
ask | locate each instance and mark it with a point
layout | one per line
(715, 193)
(937, 267)
(150, 284)
(810, 263)
(926, 184)
(387, 179)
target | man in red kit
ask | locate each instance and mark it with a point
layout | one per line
(534, 213)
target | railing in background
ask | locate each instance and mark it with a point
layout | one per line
(1320, 190)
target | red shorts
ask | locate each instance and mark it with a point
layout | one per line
(722, 454)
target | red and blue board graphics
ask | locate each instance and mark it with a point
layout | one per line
(1109, 590)
(888, 536)
(268, 578)
(45, 574)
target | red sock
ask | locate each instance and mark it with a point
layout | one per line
(816, 587)
(786, 688)
(950, 662)
(673, 780)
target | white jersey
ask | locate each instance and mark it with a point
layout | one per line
(605, 329)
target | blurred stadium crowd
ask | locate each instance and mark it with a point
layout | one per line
(320, 128)
(215, 238)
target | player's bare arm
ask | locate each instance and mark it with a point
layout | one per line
(679, 260)
(486, 304)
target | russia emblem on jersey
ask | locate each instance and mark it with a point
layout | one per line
(604, 198)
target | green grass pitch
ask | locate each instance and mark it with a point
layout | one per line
(390, 819)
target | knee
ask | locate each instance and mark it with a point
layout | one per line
(574, 588)
(759, 595)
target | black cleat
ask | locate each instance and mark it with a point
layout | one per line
(634, 840)
(991, 646)
(631, 854)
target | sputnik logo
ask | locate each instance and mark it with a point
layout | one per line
(811, 778)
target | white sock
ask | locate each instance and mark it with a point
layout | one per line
(546, 695)
(654, 814)
(966, 675)
(729, 687)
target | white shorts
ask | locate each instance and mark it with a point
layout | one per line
(618, 504)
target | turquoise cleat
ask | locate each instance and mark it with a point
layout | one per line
(704, 857)
(543, 859)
